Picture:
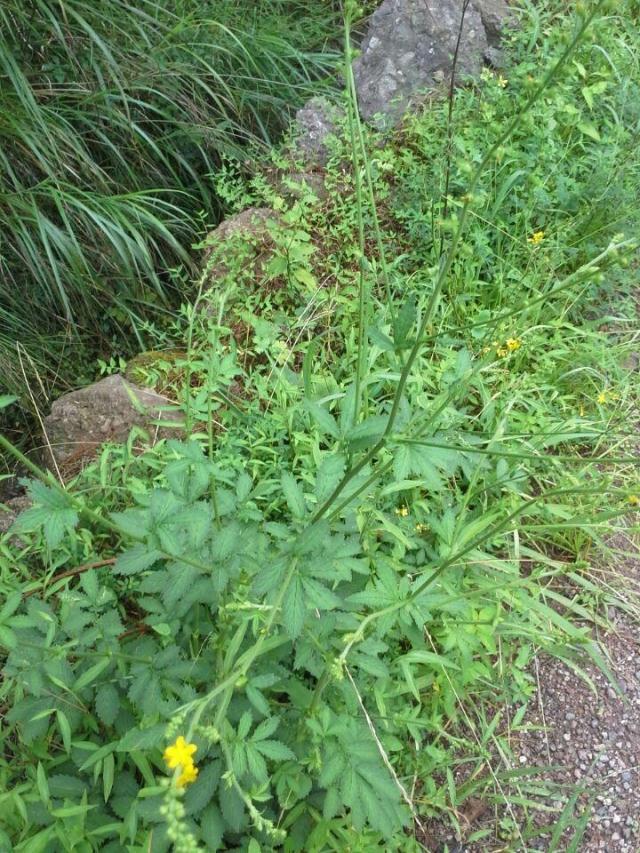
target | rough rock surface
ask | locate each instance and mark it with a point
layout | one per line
(80, 422)
(495, 15)
(9, 511)
(252, 227)
(316, 122)
(409, 49)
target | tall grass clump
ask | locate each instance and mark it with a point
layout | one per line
(309, 623)
(113, 118)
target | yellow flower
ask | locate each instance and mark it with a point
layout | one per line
(501, 352)
(502, 81)
(536, 238)
(634, 500)
(402, 511)
(189, 774)
(513, 344)
(602, 398)
(422, 528)
(180, 754)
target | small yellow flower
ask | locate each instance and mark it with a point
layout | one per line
(189, 774)
(180, 754)
(536, 238)
(602, 398)
(422, 528)
(501, 352)
(402, 511)
(634, 500)
(502, 81)
(513, 344)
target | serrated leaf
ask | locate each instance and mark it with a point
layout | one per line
(323, 418)
(212, 827)
(136, 559)
(319, 596)
(368, 432)
(233, 809)
(107, 704)
(293, 495)
(201, 792)
(265, 729)
(8, 638)
(293, 608)
(330, 472)
(244, 726)
(275, 750)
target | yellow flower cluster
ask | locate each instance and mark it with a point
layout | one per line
(402, 511)
(180, 754)
(536, 238)
(511, 345)
(605, 397)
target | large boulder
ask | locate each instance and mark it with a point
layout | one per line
(409, 49)
(82, 421)
(315, 124)
(242, 243)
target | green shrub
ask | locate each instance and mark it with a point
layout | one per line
(333, 586)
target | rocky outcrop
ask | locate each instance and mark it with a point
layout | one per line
(245, 237)
(409, 49)
(315, 124)
(82, 421)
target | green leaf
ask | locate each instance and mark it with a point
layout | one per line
(8, 638)
(107, 704)
(6, 400)
(293, 495)
(233, 808)
(293, 608)
(65, 730)
(92, 673)
(136, 559)
(275, 750)
(368, 432)
(108, 772)
(212, 827)
(142, 738)
(265, 729)
(589, 130)
(43, 786)
(323, 418)
(404, 322)
(201, 792)
(330, 472)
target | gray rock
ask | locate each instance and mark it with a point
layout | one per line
(243, 241)
(9, 511)
(315, 124)
(82, 421)
(409, 49)
(495, 16)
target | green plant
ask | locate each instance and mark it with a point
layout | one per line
(330, 585)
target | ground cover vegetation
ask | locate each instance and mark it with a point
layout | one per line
(114, 117)
(309, 625)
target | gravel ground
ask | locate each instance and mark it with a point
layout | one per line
(577, 739)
